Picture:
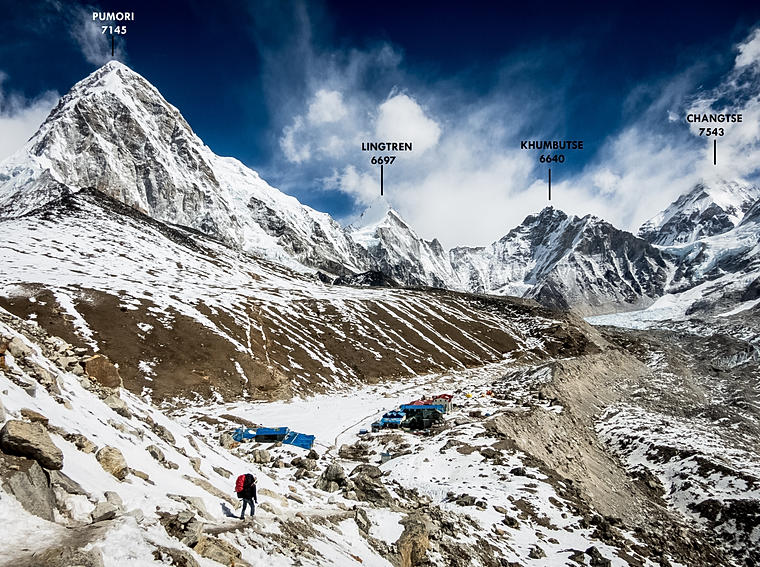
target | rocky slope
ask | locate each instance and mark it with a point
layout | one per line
(562, 461)
(114, 132)
(185, 315)
(567, 261)
(397, 252)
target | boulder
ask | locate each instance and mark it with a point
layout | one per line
(536, 552)
(68, 485)
(102, 370)
(196, 464)
(362, 521)
(118, 405)
(34, 416)
(222, 472)
(301, 463)
(261, 456)
(113, 498)
(31, 487)
(414, 542)
(185, 526)
(173, 556)
(104, 511)
(81, 442)
(226, 441)
(113, 462)
(367, 470)
(370, 489)
(163, 433)
(597, 559)
(220, 551)
(156, 453)
(66, 556)
(332, 479)
(357, 452)
(19, 349)
(31, 440)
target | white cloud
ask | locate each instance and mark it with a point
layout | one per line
(94, 44)
(20, 118)
(362, 186)
(401, 119)
(326, 107)
(88, 35)
(466, 182)
(749, 51)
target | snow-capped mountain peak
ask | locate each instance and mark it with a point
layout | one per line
(708, 209)
(116, 133)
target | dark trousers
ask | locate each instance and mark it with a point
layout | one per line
(249, 502)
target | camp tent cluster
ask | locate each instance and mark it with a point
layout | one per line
(419, 414)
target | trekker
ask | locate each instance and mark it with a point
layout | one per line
(246, 491)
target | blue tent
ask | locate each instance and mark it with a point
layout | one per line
(273, 435)
(299, 440)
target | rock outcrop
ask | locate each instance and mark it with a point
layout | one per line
(113, 462)
(31, 440)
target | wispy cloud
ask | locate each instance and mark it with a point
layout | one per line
(87, 34)
(20, 117)
(467, 182)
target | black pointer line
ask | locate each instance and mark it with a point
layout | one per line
(715, 151)
(381, 179)
(550, 183)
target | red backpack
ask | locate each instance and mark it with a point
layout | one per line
(240, 483)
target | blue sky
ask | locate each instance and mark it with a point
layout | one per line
(292, 88)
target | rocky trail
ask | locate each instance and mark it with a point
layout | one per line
(576, 460)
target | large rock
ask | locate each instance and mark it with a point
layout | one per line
(102, 370)
(113, 462)
(118, 405)
(34, 416)
(173, 556)
(156, 453)
(220, 551)
(261, 456)
(31, 440)
(227, 441)
(163, 433)
(414, 541)
(359, 451)
(68, 485)
(332, 479)
(19, 349)
(30, 486)
(64, 556)
(185, 526)
(370, 489)
(104, 511)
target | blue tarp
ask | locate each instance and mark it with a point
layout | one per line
(299, 440)
(283, 434)
(273, 431)
(413, 407)
(243, 433)
(395, 414)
